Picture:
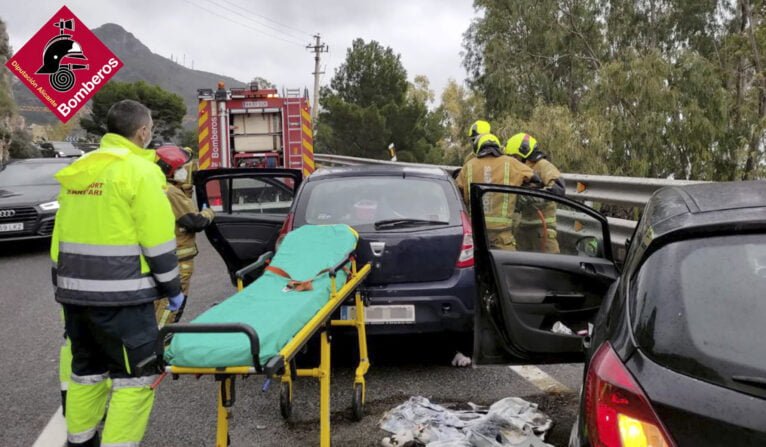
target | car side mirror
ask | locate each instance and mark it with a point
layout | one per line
(589, 246)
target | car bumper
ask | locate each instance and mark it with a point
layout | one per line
(439, 306)
(39, 228)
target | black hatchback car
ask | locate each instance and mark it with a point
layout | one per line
(28, 197)
(673, 351)
(412, 224)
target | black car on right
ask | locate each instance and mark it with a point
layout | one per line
(672, 342)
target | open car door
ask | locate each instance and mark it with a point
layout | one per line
(550, 266)
(250, 205)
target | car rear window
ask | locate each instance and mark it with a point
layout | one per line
(362, 201)
(699, 307)
(27, 174)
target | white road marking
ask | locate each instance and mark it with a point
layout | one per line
(539, 378)
(54, 434)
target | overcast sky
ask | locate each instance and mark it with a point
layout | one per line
(246, 38)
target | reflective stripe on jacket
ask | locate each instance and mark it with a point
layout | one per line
(503, 170)
(113, 241)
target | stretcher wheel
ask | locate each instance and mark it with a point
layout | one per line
(357, 402)
(285, 400)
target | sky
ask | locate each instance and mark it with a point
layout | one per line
(247, 38)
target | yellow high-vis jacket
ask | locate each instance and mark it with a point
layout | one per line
(114, 241)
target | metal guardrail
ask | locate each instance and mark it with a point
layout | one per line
(623, 191)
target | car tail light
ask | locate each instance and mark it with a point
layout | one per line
(466, 248)
(617, 412)
(216, 201)
(287, 226)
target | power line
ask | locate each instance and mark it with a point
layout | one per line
(243, 24)
(296, 32)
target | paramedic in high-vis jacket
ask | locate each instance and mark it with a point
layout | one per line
(113, 252)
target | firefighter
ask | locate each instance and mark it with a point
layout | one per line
(113, 252)
(536, 225)
(477, 129)
(176, 164)
(492, 166)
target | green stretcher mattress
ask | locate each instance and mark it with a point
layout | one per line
(267, 305)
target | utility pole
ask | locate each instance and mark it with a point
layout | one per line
(318, 48)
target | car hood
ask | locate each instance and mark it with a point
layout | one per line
(16, 196)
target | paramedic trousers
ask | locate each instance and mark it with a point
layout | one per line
(107, 343)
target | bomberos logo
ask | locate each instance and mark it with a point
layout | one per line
(64, 64)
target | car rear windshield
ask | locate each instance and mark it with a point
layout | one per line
(363, 201)
(27, 174)
(699, 307)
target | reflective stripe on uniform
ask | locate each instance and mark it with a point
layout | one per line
(167, 277)
(502, 220)
(158, 250)
(92, 379)
(133, 382)
(121, 444)
(99, 250)
(82, 437)
(188, 251)
(506, 182)
(94, 285)
(469, 178)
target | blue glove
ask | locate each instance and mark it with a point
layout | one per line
(175, 303)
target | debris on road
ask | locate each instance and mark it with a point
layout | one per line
(510, 422)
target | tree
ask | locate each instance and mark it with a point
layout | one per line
(370, 104)
(7, 105)
(167, 108)
(262, 82)
(188, 138)
(459, 108)
(518, 53)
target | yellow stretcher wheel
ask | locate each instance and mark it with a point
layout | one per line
(357, 402)
(285, 401)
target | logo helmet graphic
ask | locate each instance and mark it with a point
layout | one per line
(56, 50)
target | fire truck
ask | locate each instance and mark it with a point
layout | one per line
(255, 127)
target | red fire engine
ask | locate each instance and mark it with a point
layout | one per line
(255, 127)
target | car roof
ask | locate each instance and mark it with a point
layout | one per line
(377, 170)
(706, 205)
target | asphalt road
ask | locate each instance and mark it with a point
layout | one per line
(185, 410)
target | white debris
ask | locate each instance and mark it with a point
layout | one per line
(510, 422)
(561, 328)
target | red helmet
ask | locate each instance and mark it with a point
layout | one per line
(170, 158)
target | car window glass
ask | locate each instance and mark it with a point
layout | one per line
(272, 195)
(699, 307)
(27, 174)
(519, 222)
(364, 201)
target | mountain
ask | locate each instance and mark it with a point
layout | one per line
(140, 64)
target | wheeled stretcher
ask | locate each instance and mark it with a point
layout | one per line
(261, 328)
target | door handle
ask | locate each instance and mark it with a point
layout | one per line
(588, 268)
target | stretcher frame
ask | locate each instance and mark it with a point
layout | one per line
(283, 365)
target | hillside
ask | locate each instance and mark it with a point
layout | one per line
(140, 64)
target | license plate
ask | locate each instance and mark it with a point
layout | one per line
(393, 314)
(12, 227)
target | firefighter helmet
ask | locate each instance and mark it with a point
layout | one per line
(486, 140)
(170, 158)
(479, 127)
(521, 145)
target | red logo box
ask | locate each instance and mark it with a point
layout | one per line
(64, 64)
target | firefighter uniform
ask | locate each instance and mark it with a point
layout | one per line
(189, 221)
(113, 253)
(491, 166)
(536, 223)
